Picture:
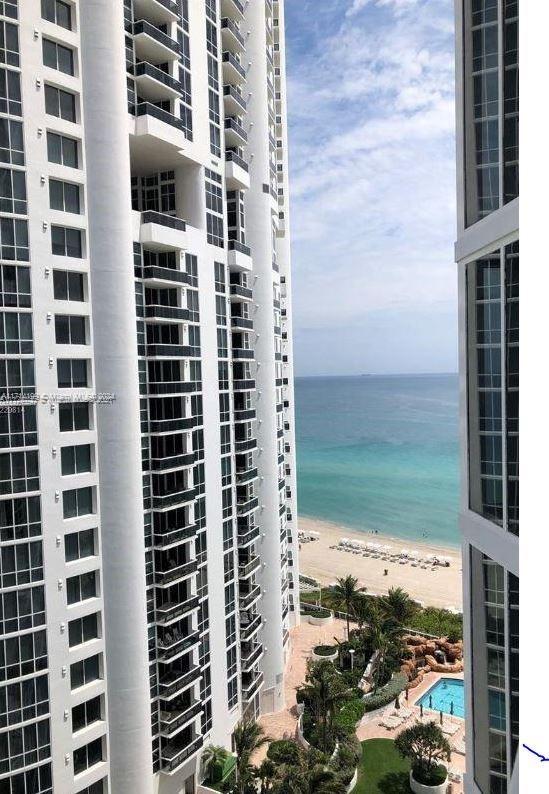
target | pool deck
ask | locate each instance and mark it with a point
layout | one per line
(283, 724)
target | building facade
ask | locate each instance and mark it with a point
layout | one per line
(148, 543)
(487, 253)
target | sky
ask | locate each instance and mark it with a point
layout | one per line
(372, 185)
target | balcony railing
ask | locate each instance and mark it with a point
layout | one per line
(164, 578)
(233, 157)
(228, 57)
(165, 613)
(243, 477)
(243, 385)
(241, 292)
(144, 27)
(247, 537)
(248, 568)
(242, 322)
(233, 125)
(247, 597)
(250, 684)
(160, 218)
(145, 69)
(155, 273)
(230, 24)
(250, 657)
(246, 507)
(173, 755)
(175, 681)
(171, 721)
(230, 91)
(166, 312)
(242, 353)
(236, 245)
(148, 109)
(174, 462)
(248, 629)
(166, 539)
(246, 445)
(175, 646)
(182, 497)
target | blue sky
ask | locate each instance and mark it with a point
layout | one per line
(371, 120)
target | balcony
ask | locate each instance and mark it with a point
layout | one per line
(248, 596)
(153, 84)
(233, 71)
(167, 613)
(240, 256)
(171, 722)
(173, 645)
(158, 11)
(251, 656)
(242, 323)
(251, 683)
(246, 444)
(234, 102)
(237, 292)
(175, 537)
(174, 462)
(243, 385)
(171, 387)
(161, 232)
(158, 138)
(245, 415)
(247, 630)
(231, 35)
(242, 354)
(152, 45)
(243, 477)
(175, 574)
(235, 134)
(246, 569)
(175, 754)
(233, 9)
(236, 171)
(245, 507)
(162, 277)
(246, 538)
(175, 681)
(159, 312)
(173, 351)
(174, 499)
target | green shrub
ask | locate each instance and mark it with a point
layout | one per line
(434, 777)
(348, 716)
(284, 751)
(315, 612)
(388, 693)
(352, 677)
(325, 650)
(439, 622)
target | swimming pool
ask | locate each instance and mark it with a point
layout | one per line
(442, 695)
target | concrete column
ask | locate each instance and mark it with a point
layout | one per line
(112, 284)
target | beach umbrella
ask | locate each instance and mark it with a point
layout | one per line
(452, 707)
(421, 710)
(441, 717)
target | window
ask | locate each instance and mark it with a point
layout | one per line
(22, 609)
(72, 373)
(14, 239)
(87, 756)
(15, 333)
(62, 150)
(10, 92)
(22, 701)
(9, 44)
(83, 630)
(19, 429)
(56, 56)
(77, 502)
(15, 286)
(57, 12)
(19, 472)
(66, 242)
(21, 564)
(74, 416)
(68, 286)
(13, 191)
(79, 545)
(76, 460)
(64, 196)
(70, 329)
(86, 713)
(11, 142)
(219, 272)
(22, 746)
(95, 788)
(59, 103)
(23, 655)
(81, 588)
(85, 672)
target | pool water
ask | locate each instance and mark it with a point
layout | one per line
(441, 696)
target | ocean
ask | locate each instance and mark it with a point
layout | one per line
(380, 452)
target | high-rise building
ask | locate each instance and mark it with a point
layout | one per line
(487, 252)
(148, 546)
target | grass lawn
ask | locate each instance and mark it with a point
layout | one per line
(382, 770)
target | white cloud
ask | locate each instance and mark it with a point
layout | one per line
(372, 158)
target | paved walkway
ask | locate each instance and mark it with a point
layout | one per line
(282, 724)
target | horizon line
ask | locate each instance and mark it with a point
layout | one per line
(376, 375)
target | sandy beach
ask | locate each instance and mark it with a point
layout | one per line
(439, 588)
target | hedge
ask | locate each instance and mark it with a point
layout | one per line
(388, 693)
(325, 650)
(284, 751)
(349, 714)
(315, 612)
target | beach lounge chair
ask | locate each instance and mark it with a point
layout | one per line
(402, 712)
(450, 728)
(391, 722)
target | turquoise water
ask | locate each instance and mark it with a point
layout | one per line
(379, 452)
(441, 696)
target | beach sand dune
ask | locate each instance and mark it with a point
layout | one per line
(439, 588)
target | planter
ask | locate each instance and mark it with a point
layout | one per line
(318, 621)
(321, 657)
(420, 788)
(353, 782)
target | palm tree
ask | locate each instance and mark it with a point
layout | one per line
(266, 773)
(214, 756)
(398, 605)
(345, 595)
(248, 736)
(311, 776)
(324, 689)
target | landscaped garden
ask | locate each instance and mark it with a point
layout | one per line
(382, 770)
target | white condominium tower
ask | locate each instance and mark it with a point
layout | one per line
(487, 252)
(147, 463)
